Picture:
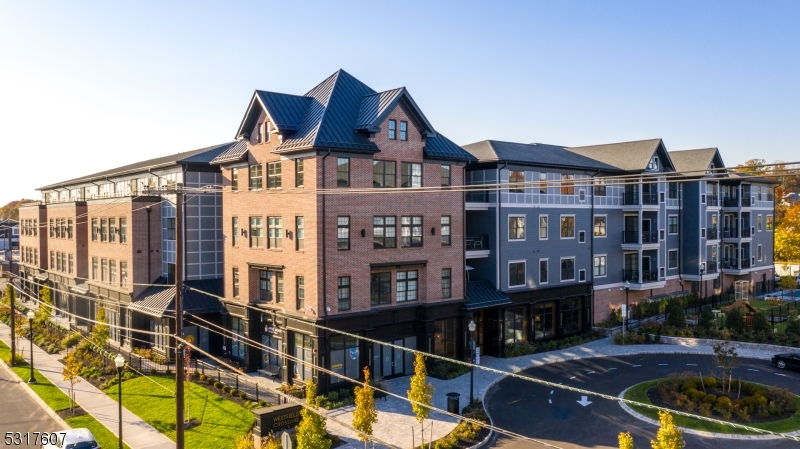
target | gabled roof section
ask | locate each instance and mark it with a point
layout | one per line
(697, 161)
(330, 120)
(534, 154)
(202, 156)
(375, 108)
(440, 147)
(233, 153)
(628, 156)
(285, 111)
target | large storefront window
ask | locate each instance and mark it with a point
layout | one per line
(303, 351)
(544, 323)
(271, 357)
(158, 334)
(237, 343)
(444, 337)
(515, 325)
(113, 325)
(345, 358)
(572, 315)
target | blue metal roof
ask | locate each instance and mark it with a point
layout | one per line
(373, 106)
(440, 147)
(287, 111)
(233, 153)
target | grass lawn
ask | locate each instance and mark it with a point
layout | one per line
(223, 423)
(638, 393)
(58, 400)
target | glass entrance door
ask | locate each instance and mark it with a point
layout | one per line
(393, 362)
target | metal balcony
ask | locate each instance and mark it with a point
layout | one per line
(477, 242)
(712, 200)
(730, 201)
(746, 232)
(746, 202)
(711, 267)
(730, 233)
(712, 234)
(730, 264)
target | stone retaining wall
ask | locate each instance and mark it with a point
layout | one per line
(685, 341)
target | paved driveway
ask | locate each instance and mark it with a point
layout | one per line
(19, 412)
(557, 417)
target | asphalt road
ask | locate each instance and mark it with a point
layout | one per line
(556, 417)
(19, 412)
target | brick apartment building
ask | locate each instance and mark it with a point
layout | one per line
(326, 222)
(109, 238)
(550, 251)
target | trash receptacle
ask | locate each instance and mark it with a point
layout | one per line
(452, 402)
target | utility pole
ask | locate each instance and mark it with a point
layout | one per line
(179, 348)
(13, 319)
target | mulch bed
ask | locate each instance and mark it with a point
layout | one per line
(655, 397)
(67, 413)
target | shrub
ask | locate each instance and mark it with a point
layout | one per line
(709, 399)
(70, 340)
(262, 403)
(242, 394)
(168, 371)
(734, 320)
(153, 371)
(698, 396)
(233, 392)
(705, 409)
(710, 382)
(210, 381)
(226, 389)
(706, 319)
(724, 407)
(676, 316)
(519, 348)
(218, 385)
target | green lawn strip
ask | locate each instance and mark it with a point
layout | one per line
(58, 400)
(101, 434)
(224, 421)
(638, 393)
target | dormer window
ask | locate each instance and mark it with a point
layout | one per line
(267, 131)
(264, 132)
(653, 165)
(710, 170)
(392, 129)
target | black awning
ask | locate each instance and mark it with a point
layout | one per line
(482, 294)
(265, 266)
(403, 263)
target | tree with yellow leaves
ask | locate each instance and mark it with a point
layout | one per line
(421, 392)
(311, 432)
(365, 414)
(625, 440)
(668, 436)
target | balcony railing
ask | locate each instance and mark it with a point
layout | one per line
(630, 198)
(730, 264)
(746, 202)
(746, 232)
(730, 233)
(745, 262)
(649, 276)
(630, 237)
(477, 197)
(712, 200)
(630, 275)
(650, 198)
(730, 201)
(477, 242)
(712, 233)
(650, 237)
(711, 267)
(633, 276)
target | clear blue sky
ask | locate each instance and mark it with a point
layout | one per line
(86, 86)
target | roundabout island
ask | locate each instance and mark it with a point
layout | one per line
(571, 420)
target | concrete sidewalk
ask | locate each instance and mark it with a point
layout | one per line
(136, 433)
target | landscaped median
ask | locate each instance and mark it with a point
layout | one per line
(58, 401)
(219, 423)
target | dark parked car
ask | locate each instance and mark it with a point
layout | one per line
(790, 361)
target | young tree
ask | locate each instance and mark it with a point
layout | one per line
(788, 282)
(365, 413)
(724, 357)
(100, 330)
(706, 319)
(734, 320)
(311, 430)
(793, 325)
(42, 315)
(787, 235)
(761, 322)
(676, 317)
(625, 440)
(421, 391)
(668, 436)
(71, 373)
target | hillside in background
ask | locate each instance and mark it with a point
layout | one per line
(11, 210)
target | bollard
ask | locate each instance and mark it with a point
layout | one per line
(237, 382)
(256, 392)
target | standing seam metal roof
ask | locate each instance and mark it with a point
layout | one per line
(533, 153)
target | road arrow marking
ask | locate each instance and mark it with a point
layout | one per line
(584, 402)
(572, 377)
(551, 391)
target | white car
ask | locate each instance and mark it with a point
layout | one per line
(73, 439)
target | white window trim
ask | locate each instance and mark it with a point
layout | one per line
(582, 192)
(508, 273)
(546, 228)
(599, 275)
(574, 226)
(773, 223)
(759, 222)
(539, 271)
(524, 227)
(600, 236)
(679, 224)
(759, 253)
(584, 275)
(662, 234)
(559, 269)
(677, 259)
(581, 232)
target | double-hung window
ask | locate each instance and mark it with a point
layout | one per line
(516, 227)
(380, 288)
(446, 282)
(234, 231)
(599, 187)
(769, 222)
(265, 287)
(344, 292)
(542, 183)
(516, 274)
(392, 129)
(599, 266)
(445, 230)
(567, 184)
(275, 230)
(94, 268)
(672, 191)
(234, 179)
(69, 229)
(274, 175)
(410, 175)
(256, 232)
(170, 228)
(568, 269)
(298, 173)
(384, 232)
(104, 229)
(343, 233)
(235, 282)
(599, 225)
(300, 232)
(567, 226)
(123, 230)
(112, 230)
(672, 259)
(95, 230)
(445, 175)
(516, 181)
(104, 270)
(410, 232)
(256, 174)
(383, 173)
(672, 224)
(542, 227)
(301, 292)
(403, 130)
(112, 271)
(406, 286)
(123, 274)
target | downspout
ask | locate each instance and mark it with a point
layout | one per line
(324, 248)
(148, 209)
(499, 229)
(591, 249)
(183, 228)
(680, 234)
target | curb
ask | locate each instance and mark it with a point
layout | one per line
(36, 397)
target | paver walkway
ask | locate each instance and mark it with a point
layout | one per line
(135, 433)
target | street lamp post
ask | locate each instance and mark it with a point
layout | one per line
(625, 318)
(471, 327)
(32, 380)
(119, 362)
(702, 269)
